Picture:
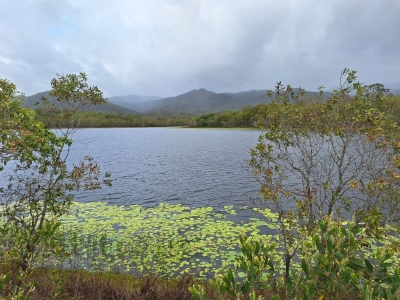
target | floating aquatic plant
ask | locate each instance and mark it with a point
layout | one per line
(166, 240)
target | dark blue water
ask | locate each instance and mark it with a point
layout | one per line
(193, 167)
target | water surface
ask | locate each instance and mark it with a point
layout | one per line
(192, 167)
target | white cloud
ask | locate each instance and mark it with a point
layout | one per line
(166, 47)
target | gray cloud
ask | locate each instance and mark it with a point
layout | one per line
(166, 47)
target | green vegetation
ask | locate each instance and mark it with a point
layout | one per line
(344, 156)
(40, 182)
(246, 117)
(250, 116)
(53, 119)
(337, 233)
(344, 153)
(333, 263)
(74, 284)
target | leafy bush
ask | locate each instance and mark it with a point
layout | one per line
(40, 182)
(318, 164)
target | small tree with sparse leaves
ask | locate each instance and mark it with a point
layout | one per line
(40, 181)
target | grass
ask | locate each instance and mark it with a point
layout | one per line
(61, 284)
(78, 284)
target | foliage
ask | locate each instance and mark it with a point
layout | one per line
(257, 268)
(334, 263)
(297, 98)
(319, 163)
(40, 181)
(53, 119)
(15, 291)
(246, 117)
(337, 158)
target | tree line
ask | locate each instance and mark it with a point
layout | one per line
(54, 118)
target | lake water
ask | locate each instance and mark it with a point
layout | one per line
(192, 167)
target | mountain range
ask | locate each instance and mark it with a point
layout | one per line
(195, 102)
(35, 101)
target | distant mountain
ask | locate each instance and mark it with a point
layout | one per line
(196, 102)
(106, 108)
(135, 102)
(253, 97)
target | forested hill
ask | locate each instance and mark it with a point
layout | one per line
(201, 101)
(255, 97)
(108, 107)
(197, 102)
(137, 103)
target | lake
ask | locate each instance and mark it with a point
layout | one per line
(189, 166)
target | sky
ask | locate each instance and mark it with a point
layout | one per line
(169, 47)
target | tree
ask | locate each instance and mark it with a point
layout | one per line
(40, 180)
(338, 158)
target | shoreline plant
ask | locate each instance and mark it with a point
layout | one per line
(40, 180)
(321, 163)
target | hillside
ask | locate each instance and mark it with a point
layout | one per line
(137, 103)
(30, 101)
(253, 97)
(196, 102)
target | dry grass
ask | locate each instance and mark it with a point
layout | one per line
(59, 284)
(76, 285)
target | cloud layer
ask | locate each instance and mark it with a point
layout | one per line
(167, 47)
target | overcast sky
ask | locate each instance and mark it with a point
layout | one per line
(168, 47)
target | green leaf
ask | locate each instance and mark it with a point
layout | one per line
(318, 244)
(369, 266)
(355, 264)
(246, 287)
(304, 265)
(339, 255)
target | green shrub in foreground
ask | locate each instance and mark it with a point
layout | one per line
(333, 264)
